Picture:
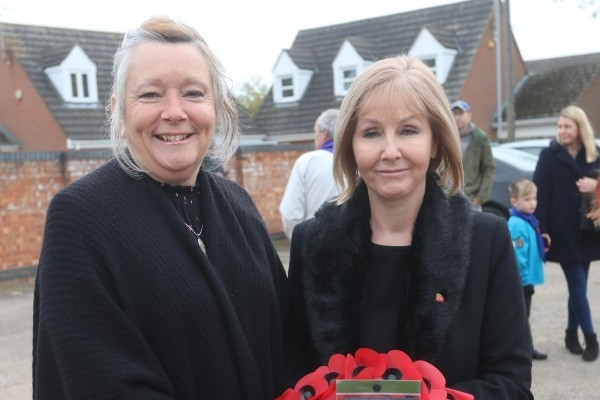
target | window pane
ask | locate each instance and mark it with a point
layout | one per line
(430, 62)
(288, 93)
(74, 85)
(84, 82)
(349, 74)
(287, 82)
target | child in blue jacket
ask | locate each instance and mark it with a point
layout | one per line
(529, 245)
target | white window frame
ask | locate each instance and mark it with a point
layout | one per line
(431, 63)
(80, 87)
(347, 80)
(284, 87)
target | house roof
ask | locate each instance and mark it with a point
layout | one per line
(55, 55)
(37, 47)
(459, 25)
(366, 48)
(553, 84)
(244, 120)
(7, 138)
(303, 58)
(446, 37)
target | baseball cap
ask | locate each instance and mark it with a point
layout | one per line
(463, 105)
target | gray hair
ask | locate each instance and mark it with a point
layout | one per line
(327, 121)
(165, 30)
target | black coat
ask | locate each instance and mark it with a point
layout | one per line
(478, 337)
(559, 202)
(128, 307)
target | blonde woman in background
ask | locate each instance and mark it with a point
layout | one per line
(567, 169)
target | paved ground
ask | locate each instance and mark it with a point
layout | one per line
(16, 299)
(563, 376)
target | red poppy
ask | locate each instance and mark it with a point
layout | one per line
(311, 386)
(432, 379)
(337, 364)
(400, 361)
(368, 364)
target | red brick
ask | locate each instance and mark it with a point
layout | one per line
(26, 188)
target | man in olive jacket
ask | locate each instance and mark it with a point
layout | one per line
(478, 161)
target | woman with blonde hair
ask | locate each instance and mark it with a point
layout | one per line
(401, 260)
(566, 171)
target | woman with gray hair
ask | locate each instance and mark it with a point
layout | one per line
(157, 278)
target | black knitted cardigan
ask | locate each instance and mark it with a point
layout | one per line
(128, 307)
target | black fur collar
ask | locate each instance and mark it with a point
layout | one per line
(335, 265)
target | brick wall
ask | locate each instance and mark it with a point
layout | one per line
(29, 180)
(264, 175)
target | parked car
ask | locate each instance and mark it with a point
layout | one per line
(511, 164)
(533, 146)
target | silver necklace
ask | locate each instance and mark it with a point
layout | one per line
(200, 242)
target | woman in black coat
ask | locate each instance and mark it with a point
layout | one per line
(401, 261)
(157, 278)
(564, 171)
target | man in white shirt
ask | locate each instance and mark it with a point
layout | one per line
(311, 181)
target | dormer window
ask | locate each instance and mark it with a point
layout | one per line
(73, 75)
(292, 74)
(347, 66)
(432, 52)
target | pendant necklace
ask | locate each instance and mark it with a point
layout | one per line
(200, 242)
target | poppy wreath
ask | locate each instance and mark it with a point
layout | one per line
(369, 364)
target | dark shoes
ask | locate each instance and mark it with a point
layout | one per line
(572, 341)
(591, 347)
(536, 355)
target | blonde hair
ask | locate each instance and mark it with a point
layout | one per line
(165, 30)
(586, 132)
(412, 81)
(521, 187)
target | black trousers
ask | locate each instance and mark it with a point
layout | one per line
(528, 292)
